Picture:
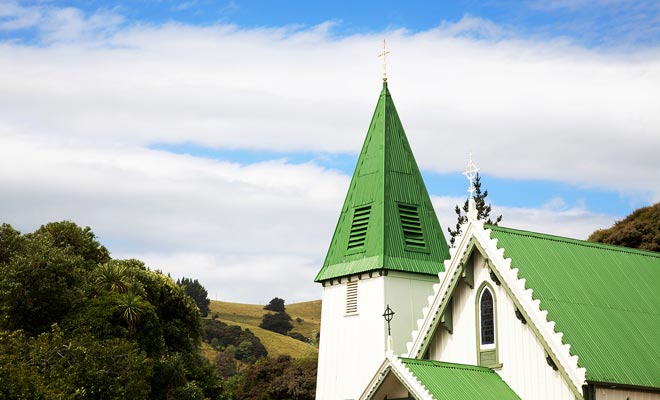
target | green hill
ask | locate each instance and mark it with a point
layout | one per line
(639, 230)
(249, 316)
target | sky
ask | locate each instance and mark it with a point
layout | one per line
(216, 140)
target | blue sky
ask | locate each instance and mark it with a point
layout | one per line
(214, 138)
(589, 22)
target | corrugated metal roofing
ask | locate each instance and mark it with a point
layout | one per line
(604, 298)
(386, 175)
(447, 381)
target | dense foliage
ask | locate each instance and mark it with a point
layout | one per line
(75, 324)
(197, 292)
(278, 321)
(276, 305)
(278, 378)
(640, 230)
(243, 344)
(483, 211)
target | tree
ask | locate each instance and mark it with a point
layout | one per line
(233, 336)
(80, 241)
(10, 242)
(483, 211)
(198, 293)
(39, 286)
(276, 304)
(131, 307)
(126, 331)
(279, 378)
(113, 276)
(639, 230)
(226, 364)
(278, 322)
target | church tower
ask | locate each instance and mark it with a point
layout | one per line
(387, 249)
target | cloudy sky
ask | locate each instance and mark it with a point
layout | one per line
(216, 140)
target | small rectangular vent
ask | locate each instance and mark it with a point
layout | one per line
(359, 227)
(412, 226)
(351, 297)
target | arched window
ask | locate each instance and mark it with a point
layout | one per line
(486, 319)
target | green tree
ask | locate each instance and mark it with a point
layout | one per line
(226, 364)
(197, 292)
(276, 304)
(127, 331)
(113, 276)
(131, 307)
(80, 241)
(279, 378)
(55, 367)
(278, 322)
(231, 337)
(11, 242)
(483, 211)
(39, 286)
(639, 230)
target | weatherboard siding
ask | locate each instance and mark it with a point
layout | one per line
(406, 294)
(353, 346)
(524, 367)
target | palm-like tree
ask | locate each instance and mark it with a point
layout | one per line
(131, 306)
(113, 276)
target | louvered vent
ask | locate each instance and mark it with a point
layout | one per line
(359, 227)
(351, 297)
(412, 226)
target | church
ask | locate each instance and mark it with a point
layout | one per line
(505, 314)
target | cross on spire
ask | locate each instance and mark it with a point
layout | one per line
(384, 54)
(471, 174)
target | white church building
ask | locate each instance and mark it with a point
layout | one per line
(505, 314)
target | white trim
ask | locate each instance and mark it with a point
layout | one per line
(509, 277)
(406, 377)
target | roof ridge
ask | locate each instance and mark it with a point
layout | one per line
(578, 242)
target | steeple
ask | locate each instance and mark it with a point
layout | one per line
(387, 222)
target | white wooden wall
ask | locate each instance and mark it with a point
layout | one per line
(407, 295)
(352, 347)
(524, 367)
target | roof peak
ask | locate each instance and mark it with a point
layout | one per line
(387, 221)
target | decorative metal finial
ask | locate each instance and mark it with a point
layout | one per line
(471, 174)
(389, 314)
(384, 54)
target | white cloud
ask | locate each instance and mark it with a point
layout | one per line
(78, 113)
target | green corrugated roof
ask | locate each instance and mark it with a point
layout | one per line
(604, 298)
(447, 381)
(402, 232)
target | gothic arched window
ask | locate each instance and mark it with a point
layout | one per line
(486, 320)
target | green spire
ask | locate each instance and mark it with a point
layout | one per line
(388, 221)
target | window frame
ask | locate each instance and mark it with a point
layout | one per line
(482, 345)
(487, 354)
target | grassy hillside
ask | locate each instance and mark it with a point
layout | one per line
(249, 316)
